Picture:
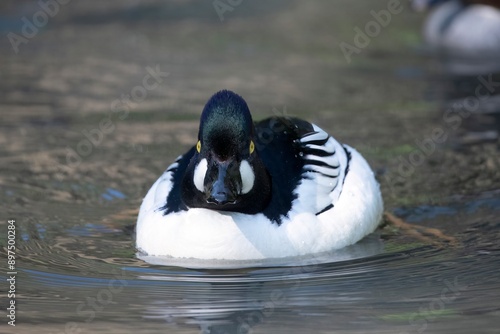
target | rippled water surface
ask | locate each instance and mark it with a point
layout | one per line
(75, 207)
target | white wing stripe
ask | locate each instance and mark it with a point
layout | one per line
(314, 136)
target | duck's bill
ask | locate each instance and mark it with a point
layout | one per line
(224, 190)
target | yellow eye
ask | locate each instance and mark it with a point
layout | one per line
(252, 146)
(198, 146)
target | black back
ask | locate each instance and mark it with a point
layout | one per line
(278, 145)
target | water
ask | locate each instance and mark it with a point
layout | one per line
(84, 278)
(75, 205)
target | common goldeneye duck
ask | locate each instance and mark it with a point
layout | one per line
(280, 187)
(465, 33)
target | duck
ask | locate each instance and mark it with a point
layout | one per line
(276, 188)
(465, 33)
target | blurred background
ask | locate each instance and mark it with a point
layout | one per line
(67, 67)
(98, 98)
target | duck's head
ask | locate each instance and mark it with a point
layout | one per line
(225, 172)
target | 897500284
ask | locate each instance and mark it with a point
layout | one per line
(11, 273)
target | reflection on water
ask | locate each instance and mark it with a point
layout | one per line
(472, 103)
(408, 286)
(78, 271)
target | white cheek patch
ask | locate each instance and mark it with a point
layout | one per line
(247, 177)
(199, 174)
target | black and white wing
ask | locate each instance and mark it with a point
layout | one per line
(326, 163)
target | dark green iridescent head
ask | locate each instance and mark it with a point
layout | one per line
(226, 173)
(226, 126)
